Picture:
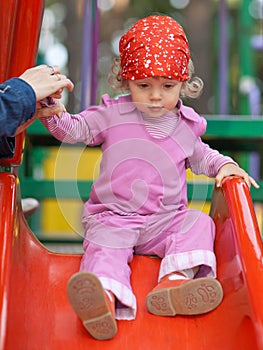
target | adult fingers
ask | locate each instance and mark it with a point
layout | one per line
(64, 82)
(54, 69)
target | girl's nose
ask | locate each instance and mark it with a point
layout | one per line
(156, 94)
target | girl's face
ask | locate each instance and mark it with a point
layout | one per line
(155, 95)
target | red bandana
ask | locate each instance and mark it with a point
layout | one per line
(155, 46)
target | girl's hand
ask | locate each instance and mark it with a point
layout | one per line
(57, 94)
(45, 112)
(49, 111)
(232, 169)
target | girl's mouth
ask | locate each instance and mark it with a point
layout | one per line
(155, 108)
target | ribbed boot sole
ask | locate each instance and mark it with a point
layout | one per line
(87, 297)
(197, 296)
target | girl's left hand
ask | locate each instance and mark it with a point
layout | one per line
(232, 169)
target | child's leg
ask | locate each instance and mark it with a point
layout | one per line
(111, 266)
(186, 248)
(102, 284)
(94, 306)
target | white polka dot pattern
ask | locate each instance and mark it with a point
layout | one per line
(155, 46)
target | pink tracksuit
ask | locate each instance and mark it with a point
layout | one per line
(139, 202)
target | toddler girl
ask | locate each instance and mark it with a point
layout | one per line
(138, 204)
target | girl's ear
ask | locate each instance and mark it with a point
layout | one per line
(183, 89)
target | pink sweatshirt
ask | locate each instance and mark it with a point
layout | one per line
(139, 173)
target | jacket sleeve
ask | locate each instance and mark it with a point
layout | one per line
(206, 160)
(70, 128)
(17, 105)
(89, 126)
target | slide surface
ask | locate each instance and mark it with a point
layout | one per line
(35, 313)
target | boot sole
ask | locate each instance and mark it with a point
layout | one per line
(198, 296)
(87, 297)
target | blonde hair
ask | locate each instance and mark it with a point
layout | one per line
(191, 88)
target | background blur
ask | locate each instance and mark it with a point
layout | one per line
(225, 39)
(81, 36)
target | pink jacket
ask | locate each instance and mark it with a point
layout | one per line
(139, 173)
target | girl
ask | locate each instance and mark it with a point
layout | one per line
(139, 202)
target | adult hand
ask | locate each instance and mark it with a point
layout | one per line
(46, 81)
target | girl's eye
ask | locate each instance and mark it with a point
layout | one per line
(143, 86)
(168, 86)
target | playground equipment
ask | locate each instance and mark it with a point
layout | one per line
(34, 311)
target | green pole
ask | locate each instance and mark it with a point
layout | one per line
(246, 77)
(246, 55)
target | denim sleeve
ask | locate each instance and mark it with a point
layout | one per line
(17, 105)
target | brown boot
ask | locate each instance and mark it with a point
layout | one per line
(93, 306)
(184, 297)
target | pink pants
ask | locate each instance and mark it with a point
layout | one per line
(182, 240)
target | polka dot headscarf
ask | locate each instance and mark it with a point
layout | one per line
(155, 46)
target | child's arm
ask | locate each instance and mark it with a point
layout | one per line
(210, 162)
(232, 169)
(45, 111)
(89, 126)
(64, 126)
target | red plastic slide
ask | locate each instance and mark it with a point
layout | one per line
(35, 313)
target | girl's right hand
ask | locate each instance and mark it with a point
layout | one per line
(50, 111)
